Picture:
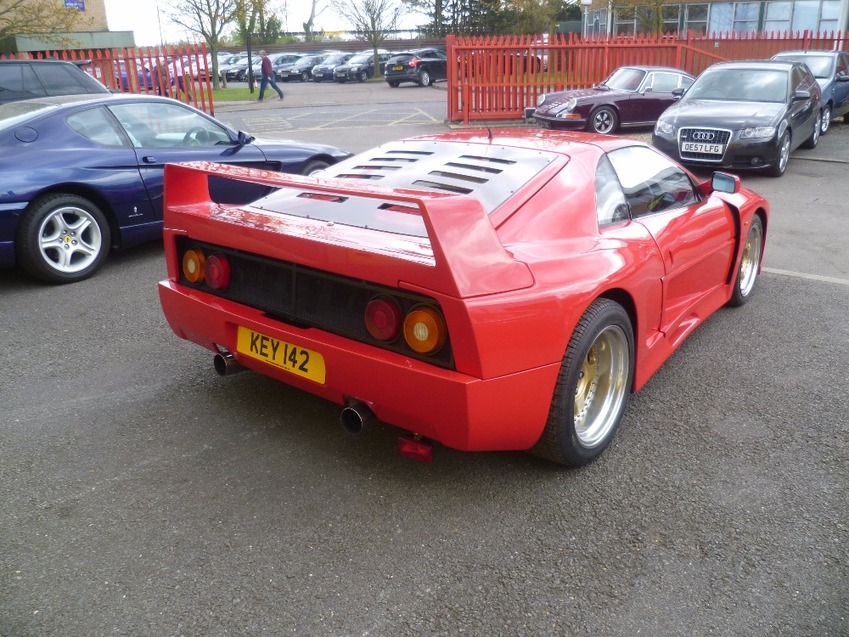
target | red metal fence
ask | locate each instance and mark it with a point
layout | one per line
(497, 77)
(181, 72)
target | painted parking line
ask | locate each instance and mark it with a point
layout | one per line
(809, 277)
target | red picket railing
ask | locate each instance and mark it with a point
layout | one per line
(496, 77)
(181, 72)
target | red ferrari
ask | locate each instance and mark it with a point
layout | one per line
(487, 290)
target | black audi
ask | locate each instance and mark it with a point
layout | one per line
(743, 115)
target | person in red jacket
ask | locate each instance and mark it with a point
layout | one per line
(267, 77)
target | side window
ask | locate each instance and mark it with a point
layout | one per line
(96, 125)
(58, 80)
(609, 199)
(18, 82)
(842, 65)
(651, 182)
(155, 125)
(663, 82)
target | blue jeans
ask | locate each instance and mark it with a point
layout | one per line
(266, 81)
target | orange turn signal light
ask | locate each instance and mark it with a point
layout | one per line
(424, 330)
(194, 266)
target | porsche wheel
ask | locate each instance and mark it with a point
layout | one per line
(593, 387)
(750, 264)
(780, 164)
(62, 239)
(424, 79)
(603, 120)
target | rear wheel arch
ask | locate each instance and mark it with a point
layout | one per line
(94, 197)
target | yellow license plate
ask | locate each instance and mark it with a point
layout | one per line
(398, 67)
(292, 358)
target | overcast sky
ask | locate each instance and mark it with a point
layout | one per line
(149, 18)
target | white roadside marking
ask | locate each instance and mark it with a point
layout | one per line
(810, 277)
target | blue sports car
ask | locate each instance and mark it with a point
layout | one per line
(83, 174)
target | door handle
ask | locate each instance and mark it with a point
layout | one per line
(149, 159)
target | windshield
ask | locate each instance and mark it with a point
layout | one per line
(625, 79)
(820, 65)
(334, 59)
(741, 85)
(360, 58)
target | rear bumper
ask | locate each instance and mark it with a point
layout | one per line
(457, 410)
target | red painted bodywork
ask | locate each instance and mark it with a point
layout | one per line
(512, 284)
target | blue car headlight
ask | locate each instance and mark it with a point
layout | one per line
(664, 128)
(757, 132)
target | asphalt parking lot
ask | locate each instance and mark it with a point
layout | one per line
(144, 495)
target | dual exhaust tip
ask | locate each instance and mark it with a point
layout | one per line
(354, 417)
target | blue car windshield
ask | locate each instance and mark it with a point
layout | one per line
(741, 85)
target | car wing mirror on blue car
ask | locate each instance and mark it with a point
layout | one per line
(243, 139)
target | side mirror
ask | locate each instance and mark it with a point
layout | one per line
(678, 92)
(243, 139)
(801, 95)
(725, 182)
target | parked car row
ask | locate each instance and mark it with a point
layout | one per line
(420, 66)
(735, 115)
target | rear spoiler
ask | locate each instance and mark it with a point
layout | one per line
(466, 249)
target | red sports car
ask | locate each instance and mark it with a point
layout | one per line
(489, 290)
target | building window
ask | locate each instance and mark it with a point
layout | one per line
(696, 18)
(777, 16)
(806, 15)
(645, 19)
(830, 15)
(739, 17)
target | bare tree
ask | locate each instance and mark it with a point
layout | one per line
(44, 18)
(373, 20)
(208, 19)
(315, 11)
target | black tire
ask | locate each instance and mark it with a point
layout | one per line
(314, 166)
(811, 142)
(750, 264)
(305, 76)
(825, 123)
(780, 165)
(592, 388)
(603, 120)
(393, 84)
(363, 76)
(424, 78)
(62, 238)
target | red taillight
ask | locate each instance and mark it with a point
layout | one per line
(414, 62)
(383, 318)
(424, 330)
(217, 272)
(194, 266)
(415, 448)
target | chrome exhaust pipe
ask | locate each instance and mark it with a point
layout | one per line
(355, 416)
(225, 364)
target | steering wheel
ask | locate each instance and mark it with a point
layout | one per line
(195, 136)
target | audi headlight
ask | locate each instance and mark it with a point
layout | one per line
(757, 132)
(355, 67)
(664, 128)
